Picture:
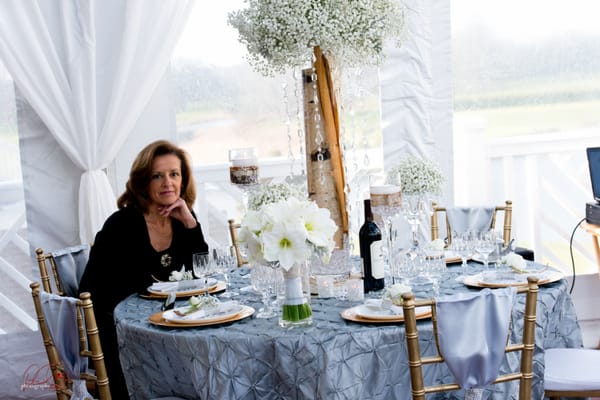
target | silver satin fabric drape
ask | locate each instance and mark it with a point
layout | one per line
(333, 359)
(473, 329)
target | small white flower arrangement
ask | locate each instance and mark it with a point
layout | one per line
(437, 244)
(515, 261)
(417, 176)
(288, 232)
(272, 193)
(282, 33)
(181, 275)
(394, 292)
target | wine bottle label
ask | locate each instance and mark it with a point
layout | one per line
(377, 268)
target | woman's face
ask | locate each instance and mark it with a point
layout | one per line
(165, 181)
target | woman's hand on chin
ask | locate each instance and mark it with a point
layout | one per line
(179, 210)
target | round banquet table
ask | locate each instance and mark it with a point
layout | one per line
(332, 359)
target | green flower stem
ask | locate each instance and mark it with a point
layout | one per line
(296, 312)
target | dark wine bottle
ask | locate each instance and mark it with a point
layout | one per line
(369, 237)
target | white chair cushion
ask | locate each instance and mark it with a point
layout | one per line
(572, 369)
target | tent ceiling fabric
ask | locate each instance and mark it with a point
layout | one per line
(51, 49)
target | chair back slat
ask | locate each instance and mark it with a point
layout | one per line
(233, 232)
(416, 360)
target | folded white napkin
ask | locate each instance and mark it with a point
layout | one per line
(205, 312)
(384, 306)
(164, 286)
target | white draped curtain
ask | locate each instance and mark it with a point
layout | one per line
(89, 89)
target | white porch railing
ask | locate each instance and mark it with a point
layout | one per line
(547, 178)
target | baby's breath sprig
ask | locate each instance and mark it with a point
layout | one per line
(272, 193)
(418, 176)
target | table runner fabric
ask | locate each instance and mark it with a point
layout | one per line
(332, 359)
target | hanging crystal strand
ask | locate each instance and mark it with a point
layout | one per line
(299, 117)
(288, 125)
(356, 144)
(317, 119)
(345, 152)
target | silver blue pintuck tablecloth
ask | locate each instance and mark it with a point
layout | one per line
(332, 359)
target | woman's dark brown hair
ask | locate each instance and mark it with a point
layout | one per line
(136, 190)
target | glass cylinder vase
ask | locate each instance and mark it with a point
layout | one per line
(296, 310)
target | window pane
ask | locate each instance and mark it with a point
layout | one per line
(527, 88)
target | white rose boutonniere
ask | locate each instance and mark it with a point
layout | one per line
(516, 262)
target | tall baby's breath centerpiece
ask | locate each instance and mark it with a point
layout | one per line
(285, 234)
(419, 178)
(282, 34)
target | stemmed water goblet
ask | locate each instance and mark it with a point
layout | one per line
(263, 279)
(204, 266)
(485, 244)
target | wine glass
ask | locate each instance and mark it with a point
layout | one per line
(226, 261)
(485, 244)
(204, 266)
(462, 245)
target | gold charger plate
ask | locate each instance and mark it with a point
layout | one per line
(477, 280)
(453, 260)
(157, 319)
(218, 287)
(351, 314)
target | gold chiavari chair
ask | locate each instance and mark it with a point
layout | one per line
(233, 232)
(89, 346)
(64, 266)
(416, 360)
(506, 209)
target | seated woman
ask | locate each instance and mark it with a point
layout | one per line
(153, 233)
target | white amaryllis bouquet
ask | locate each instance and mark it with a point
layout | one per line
(288, 232)
(280, 34)
(417, 176)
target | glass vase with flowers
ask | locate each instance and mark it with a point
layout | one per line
(284, 235)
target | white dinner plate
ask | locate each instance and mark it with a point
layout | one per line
(223, 311)
(504, 278)
(373, 310)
